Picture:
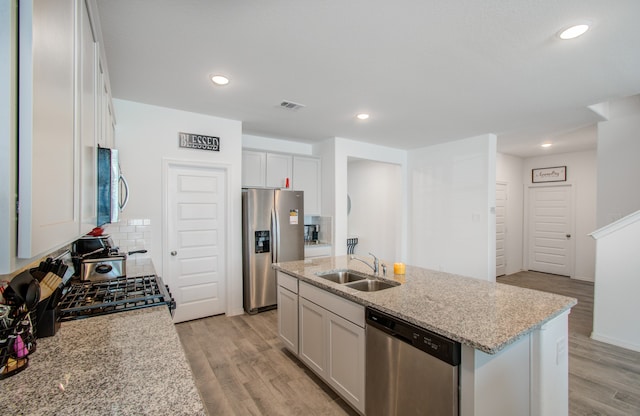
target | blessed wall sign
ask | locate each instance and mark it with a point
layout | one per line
(554, 174)
(198, 141)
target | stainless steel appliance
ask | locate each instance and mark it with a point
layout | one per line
(93, 298)
(113, 190)
(101, 268)
(311, 232)
(409, 370)
(272, 231)
(95, 258)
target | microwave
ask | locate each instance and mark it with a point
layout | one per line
(113, 190)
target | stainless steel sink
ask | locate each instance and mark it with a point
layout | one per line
(372, 285)
(343, 276)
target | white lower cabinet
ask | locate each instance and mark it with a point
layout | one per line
(288, 318)
(346, 359)
(333, 346)
(327, 333)
(288, 311)
(313, 325)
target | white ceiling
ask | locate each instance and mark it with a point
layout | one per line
(427, 71)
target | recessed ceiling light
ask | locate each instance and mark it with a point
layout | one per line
(574, 31)
(362, 116)
(219, 79)
(545, 145)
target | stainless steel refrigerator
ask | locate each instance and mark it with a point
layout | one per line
(272, 232)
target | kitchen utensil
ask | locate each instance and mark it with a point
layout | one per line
(49, 284)
(90, 253)
(87, 244)
(23, 290)
(32, 295)
(5, 319)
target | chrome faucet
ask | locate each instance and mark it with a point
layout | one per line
(375, 266)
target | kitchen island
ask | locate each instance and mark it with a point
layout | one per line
(127, 363)
(514, 355)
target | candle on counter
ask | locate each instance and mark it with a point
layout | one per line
(398, 268)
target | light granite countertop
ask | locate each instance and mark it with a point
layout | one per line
(127, 363)
(484, 315)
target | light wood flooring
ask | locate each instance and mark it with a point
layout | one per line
(603, 379)
(242, 368)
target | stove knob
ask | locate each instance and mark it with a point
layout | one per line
(174, 253)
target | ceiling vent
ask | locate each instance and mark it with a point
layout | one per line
(290, 105)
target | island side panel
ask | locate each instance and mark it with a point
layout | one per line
(496, 384)
(550, 368)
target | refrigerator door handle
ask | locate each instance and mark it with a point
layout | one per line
(275, 237)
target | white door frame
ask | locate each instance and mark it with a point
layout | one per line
(167, 164)
(572, 224)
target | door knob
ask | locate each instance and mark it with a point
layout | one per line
(174, 253)
(568, 235)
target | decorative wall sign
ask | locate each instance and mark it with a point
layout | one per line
(198, 141)
(554, 174)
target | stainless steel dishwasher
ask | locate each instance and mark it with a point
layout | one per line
(409, 370)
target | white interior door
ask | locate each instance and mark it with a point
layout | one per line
(196, 236)
(550, 228)
(501, 229)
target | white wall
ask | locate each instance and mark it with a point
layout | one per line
(615, 304)
(326, 151)
(452, 207)
(148, 134)
(509, 170)
(581, 174)
(376, 207)
(618, 165)
(335, 155)
(275, 145)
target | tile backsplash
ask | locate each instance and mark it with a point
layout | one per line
(131, 234)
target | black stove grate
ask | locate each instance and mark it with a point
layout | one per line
(93, 298)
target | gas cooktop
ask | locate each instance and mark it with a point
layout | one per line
(93, 298)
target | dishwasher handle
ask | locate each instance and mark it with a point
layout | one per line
(445, 349)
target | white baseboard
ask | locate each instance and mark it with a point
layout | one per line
(615, 341)
(235, 311)
(584, 279)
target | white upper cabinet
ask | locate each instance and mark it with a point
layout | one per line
(59, 92)
(8, 127)
(271, 170)
(254, 165)
(48, 184)
(279, 169)
(307, 175)
(266, 170)
(87, 120)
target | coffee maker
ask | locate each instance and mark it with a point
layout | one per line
(311, 233)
